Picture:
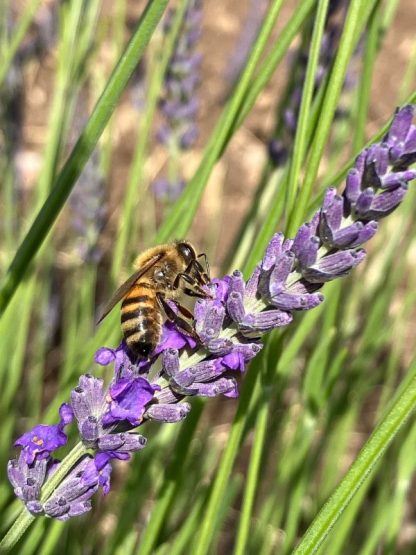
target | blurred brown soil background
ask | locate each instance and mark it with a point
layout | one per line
(231, 187)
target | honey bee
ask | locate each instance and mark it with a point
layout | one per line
(163, 272)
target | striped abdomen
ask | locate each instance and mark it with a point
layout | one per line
(141, 320)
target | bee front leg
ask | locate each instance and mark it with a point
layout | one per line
(179, 321)
(195, 290)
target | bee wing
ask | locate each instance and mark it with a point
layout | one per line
(126, 286)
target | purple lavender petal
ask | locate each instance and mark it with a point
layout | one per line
(129, 398)
(224, 386)
(273, 249)
(353, 186)
(366, 233)
(384, 203)
(333, 266)
(237, 284)
(219, 346)
(41, 441)
(121, 442)
(346, 236)
(287, 301)
(393, 180)
(252, 284)
(307, 255)
(280, 273)
(334, 212)
(168, 413)
(364, 202)
(400, 126)
(265, 321)
(329, 198)
(235, 307)
(170, 359)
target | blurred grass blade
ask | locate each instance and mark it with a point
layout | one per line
(301, 138)
(82, 150)
(19, 33)
(182, 213)
(360, 469)
(353, 25)
(372, 39)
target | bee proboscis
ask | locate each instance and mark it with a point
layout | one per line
(163, 272)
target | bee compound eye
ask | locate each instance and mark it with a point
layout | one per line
(186, 251)
(159, 275)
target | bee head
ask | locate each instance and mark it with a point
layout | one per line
(186, 250)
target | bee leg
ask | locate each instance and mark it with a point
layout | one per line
(197, 290)
(180, 322)
(206, 273)
(198, 272)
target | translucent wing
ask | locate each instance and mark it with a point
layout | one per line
(126, 286)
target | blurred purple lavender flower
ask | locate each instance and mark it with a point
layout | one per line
(280, 146)
(88, 207)
(179, 104)
(229, 326)
(245, 40)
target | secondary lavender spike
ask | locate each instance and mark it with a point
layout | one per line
(168, 413)
(333, 266)
(410, 143)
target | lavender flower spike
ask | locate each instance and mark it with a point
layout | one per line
(229, 325)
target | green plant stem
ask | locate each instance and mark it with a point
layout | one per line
(372, 40)
(348, 41)
(135, 184)
(253, 473)
(81, 152)
(209, 519)
(359, 470)
(25, 519)
(182, 213)
(19, 33)
(301, 137)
